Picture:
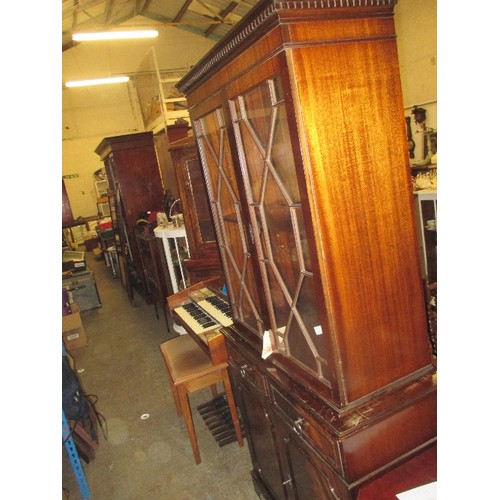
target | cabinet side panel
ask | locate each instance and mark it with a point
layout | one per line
(360, 185)
(391, 438)
(139, 179)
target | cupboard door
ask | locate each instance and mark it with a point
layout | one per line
(211, 132)
(259, 431)
(275, 207)
(204, 227)
(310, 477)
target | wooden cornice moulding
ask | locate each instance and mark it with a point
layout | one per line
(268, 12)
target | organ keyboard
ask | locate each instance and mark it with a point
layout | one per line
(203, 312)
(213, 304)
(196, 318)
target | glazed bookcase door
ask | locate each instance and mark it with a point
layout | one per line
(271, 184)
(203, 222)
(224, 198)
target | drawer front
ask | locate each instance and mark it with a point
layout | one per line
(307, 427)
(247, 370)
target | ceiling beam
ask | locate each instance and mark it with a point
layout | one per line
(163, 21)
(182, 11)
(204, 5)
(139, 9)
(75, 15)
(230, 7)
(108, 11)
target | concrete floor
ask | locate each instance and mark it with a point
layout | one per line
(145, 458)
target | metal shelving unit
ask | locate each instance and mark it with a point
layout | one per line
(73, 455)
(160, 103)
(74, 459)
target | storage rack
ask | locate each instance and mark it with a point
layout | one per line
(74, 458)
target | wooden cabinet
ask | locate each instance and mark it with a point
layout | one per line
(155, 269)
(299, 121)
(204, 261)
(67, 214)
(135, 187)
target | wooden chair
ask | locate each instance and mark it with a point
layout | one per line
(191, 369)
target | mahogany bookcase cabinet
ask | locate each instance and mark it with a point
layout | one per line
(298, 116)
(204, 261)
(135, 186)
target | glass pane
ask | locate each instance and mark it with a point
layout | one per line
(429, 216)
(197, 186)
(302, 245)
(280, 245)
(299, 348)
(226, 164)
(269, 173)
(282, 158)
(280, 303)
(258, 110)
(223, 195)
(211, 129)
(256, 157)
(307, 311)
(209, 157)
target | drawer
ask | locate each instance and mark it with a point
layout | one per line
(307, 427)
(247, 370)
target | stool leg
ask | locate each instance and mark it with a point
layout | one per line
(213, 388)
(175, 395)
(232, 405)
(188, 417)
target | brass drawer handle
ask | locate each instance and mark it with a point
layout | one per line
(298, 426)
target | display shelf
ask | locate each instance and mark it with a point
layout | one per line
(103, 208)
(176, 248)
(426, 212)
(160, 103)
(101, 188)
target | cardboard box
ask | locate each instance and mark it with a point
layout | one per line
(73, 261)
(73, 332)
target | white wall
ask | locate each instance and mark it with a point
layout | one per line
(416, 30)
(91, 113)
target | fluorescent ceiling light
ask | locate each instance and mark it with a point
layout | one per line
(98, 81)
(114, 35)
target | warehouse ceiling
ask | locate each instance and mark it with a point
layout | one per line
(206, 18)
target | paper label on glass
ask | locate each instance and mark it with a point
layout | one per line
(318, 330)
(267, 348)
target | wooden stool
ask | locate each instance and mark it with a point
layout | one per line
(191, 369)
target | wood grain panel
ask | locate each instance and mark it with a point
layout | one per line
(360, 182)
